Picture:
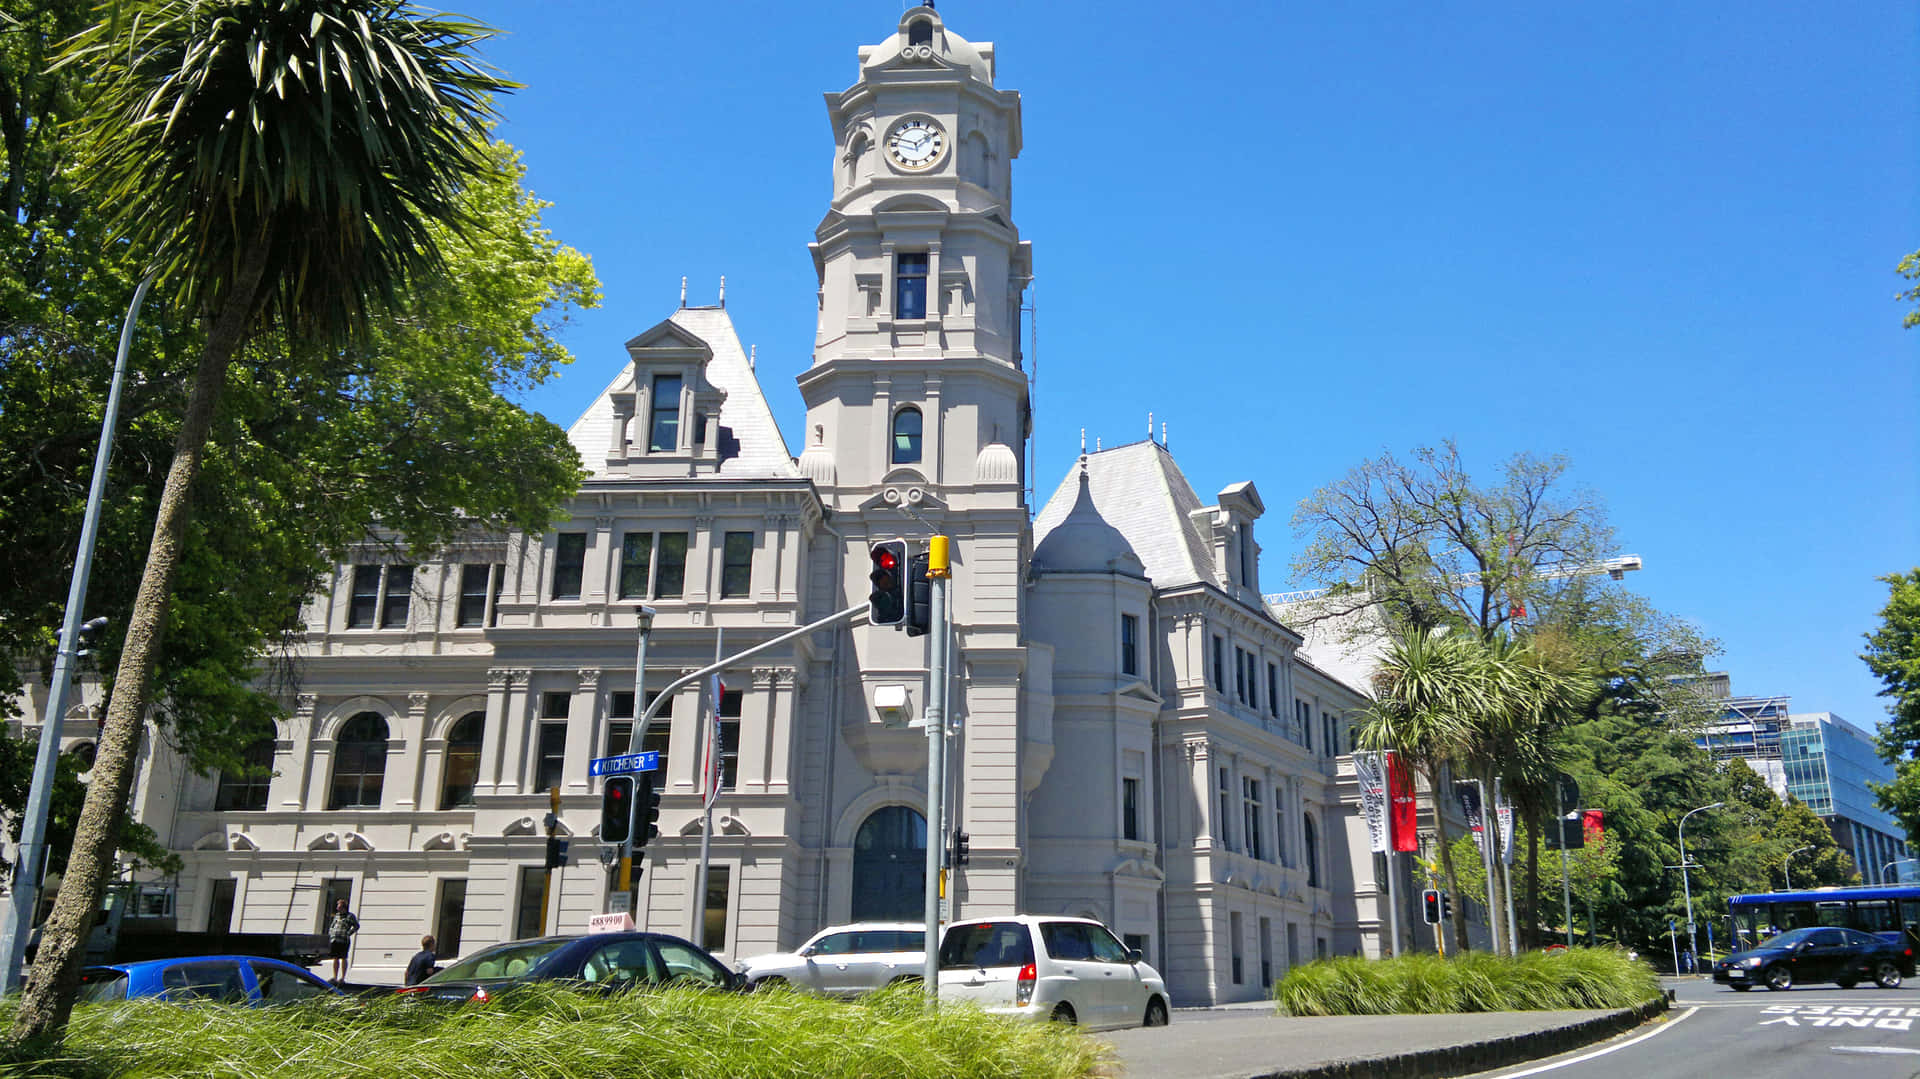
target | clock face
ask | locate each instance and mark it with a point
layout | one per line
(915, 144)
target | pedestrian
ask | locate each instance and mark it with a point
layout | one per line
(340, 930)
(1686, 960)
(421, 965)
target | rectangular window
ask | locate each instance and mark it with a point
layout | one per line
(730, 701)
(1279, 828)
(475, 581)
(1129, 644)
(620, 727)
(663, 427)
(332, 891)
(220, 909)
(1250, 792)
(713, 917)
(1233, 922)
(533, 888)
(1266, 951)
(1226, 811)
(1303, 722)
(366, 597)
(910, 285)
(450, 919)
(1130, 808)
(1273, 690)
(1329, 735)
(550, 764)
(397, 598)
(246, 789)
(736, 566)
(636, 564)
(1220, 664)
(569, 564)
(672, 572)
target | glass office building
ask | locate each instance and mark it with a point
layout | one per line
(1828, 763)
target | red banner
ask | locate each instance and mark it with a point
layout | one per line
(1404, 817)
(1592, 822)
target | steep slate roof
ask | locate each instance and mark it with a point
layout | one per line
(763, 450)
(1141, 492)
(1083, 541)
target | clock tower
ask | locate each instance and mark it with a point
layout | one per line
(918, 417)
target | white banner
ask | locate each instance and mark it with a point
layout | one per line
(1370, 770)
(1506, 831)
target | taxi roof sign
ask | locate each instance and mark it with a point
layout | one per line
(610, 923)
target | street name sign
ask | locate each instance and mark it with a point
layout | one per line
(625, 763)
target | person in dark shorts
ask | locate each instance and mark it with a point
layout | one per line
(340, 930)
(422, 964)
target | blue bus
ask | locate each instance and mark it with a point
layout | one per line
(1890, 911)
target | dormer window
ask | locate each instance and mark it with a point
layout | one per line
(663, 424)
(910, 285)
(906, 436)
(920, 32)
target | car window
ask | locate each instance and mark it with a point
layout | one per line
(1066, 940)
(686, 961)
(1105, 948)
(903, 940)
(501, 961)
(987, 944)
(1829, 938)
(215, 980)
(835, 944)
(100, 986)
(278, 984)
(1859, 939)
(623, 962)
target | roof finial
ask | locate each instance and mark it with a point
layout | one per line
(1096, 443)
(1149, 427)
(753, 356)
(1163, 434)
(683, 290)
(723, 290)
(1083, 442)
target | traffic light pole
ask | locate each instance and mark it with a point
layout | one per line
(637, 736)
(937, 573)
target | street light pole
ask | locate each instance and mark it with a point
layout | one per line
(33, 825)
(1890, 865)
(637, 736)
(1786, 864)
(1686, 885)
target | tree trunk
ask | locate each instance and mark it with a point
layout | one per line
(47, 1000)
(1460, 942)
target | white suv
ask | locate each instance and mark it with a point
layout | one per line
(1045, 967)
(845, 960)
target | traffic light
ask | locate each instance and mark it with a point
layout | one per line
(646, 813)
(919, 596)
(962, 842)
(1446, 905)
(889, 596)
(556, 852)
(616, 809)
(90, 633)
(1430, 906)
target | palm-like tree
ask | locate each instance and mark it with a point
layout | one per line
(1427, 690)
(280, 162)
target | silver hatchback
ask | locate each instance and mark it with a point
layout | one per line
(845, 960)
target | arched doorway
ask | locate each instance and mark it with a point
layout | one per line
(890, 866)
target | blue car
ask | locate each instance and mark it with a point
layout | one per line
(235, 979)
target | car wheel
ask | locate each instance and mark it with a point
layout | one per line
(1779, 977)
(1741, 988)
(1156, 1013)
(1886, 975)
(773, 981)
(1063, 1013)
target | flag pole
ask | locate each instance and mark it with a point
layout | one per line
(709, 791)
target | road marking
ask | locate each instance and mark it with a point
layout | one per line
(1682, 1017)
(1890, 1050)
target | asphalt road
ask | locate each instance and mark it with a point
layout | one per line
(1823, 1030)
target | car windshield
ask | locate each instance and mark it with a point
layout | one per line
(1791, 938)
(99, 986)
(503, 961)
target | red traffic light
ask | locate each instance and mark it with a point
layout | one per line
(885, 558)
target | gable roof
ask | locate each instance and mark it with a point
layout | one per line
(1139, 490)
(762, 449)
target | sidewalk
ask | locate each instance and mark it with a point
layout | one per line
(1266, 1046)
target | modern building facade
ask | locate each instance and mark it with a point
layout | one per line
(1136, 736)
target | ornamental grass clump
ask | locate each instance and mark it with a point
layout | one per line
(546, 1031)
(1423, 984)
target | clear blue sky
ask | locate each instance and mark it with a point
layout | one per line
(1656, 238)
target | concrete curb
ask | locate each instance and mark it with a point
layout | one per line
(1480, 1056)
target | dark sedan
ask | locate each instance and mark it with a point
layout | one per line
(1845, 957)
(606, 961)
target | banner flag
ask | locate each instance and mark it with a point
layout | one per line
(1505, 814)
(710, 764)
(1593, 822)
(1373, 797)
(1405, 830)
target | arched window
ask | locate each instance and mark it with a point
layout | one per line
(906, 436)
(359, 763)
(920, 32)
(463, 761)
(1313, 850)
(890, 866)
(246, 787)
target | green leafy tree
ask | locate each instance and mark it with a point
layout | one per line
(1893, 655)
(278, 164)
(1910, 269)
